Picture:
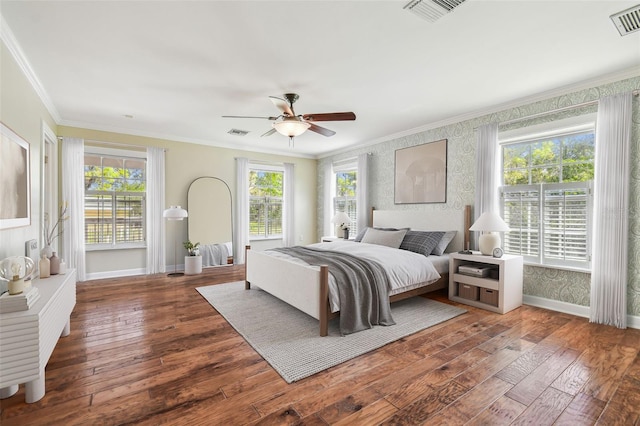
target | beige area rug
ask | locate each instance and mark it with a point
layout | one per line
(288, 339)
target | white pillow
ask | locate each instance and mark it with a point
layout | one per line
(384, 238)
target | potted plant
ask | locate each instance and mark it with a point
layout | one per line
(192, 262)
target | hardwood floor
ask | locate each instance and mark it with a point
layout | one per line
(150, 350)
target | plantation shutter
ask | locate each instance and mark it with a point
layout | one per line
(521, 211)
(566, 222)
(553, 216)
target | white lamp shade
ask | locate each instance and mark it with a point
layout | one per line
(291, 126)
(175, 213)
(341, 218)
(489, 222)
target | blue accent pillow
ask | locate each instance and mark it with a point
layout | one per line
(422, 242)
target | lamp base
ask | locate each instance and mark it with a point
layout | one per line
(487, 242)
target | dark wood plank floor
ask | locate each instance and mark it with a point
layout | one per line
(150, 350)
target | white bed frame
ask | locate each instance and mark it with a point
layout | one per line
(307, 287)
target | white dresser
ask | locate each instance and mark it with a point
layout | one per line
(27, 338)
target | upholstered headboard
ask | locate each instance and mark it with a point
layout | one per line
(439, 220)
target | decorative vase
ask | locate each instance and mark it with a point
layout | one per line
(44, 265)
(63, 267)
(47, 251)
(345, 234)
(54, 264)
(192, 265)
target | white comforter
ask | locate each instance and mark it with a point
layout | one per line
(406, 270)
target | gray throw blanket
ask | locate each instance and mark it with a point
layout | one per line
(362, 286)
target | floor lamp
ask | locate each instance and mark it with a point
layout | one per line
(175, 213)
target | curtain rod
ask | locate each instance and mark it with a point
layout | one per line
(120, 144)
(553, 111)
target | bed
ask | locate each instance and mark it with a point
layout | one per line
(216, 254)
(307, 287)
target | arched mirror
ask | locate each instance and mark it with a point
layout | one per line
(211, 220)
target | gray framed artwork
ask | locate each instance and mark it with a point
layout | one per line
(421, 174)
(15, 208)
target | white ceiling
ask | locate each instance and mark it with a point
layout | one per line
(178, 66)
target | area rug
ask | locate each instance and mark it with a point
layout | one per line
(288, 339)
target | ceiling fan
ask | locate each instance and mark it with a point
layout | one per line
(291, 125)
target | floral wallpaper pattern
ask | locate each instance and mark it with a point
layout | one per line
(557, 284)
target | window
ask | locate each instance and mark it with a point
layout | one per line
(265, 202)
(344, 199)
(114, 205)
(546, 197)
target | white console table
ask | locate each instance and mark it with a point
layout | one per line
(27, 338)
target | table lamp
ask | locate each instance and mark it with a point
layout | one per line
(341, 219)
(489, 223)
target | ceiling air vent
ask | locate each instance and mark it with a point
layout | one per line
(432, 10)
(627, 21)
(238, 132)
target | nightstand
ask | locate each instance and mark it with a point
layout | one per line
(486, 282)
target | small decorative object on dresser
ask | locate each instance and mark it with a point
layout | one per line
(44, 266)
(54, 264)
(16, 270)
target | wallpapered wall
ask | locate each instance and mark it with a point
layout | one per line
(561, 285)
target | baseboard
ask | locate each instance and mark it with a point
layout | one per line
(571, 308)
(115, 274)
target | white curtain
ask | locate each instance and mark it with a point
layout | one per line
(362, 191)
(241, 234)
(487, 169)
(329, 190)
(611, 211)
(288, 229)
(156, 239)
(73, 195)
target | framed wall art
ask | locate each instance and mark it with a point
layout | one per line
(421, 174)
(15, 180)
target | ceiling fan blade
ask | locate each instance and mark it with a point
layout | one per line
(268, 133)
(322, 130)
(330, 116)
(282, 105)
(248, 116)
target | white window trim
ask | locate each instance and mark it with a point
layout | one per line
(346, 165)
(256, 166)
(121, 153)
(578, 124)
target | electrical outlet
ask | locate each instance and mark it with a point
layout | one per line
(300, 238)
(31, 249)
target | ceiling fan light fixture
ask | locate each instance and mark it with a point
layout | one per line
(291, 128)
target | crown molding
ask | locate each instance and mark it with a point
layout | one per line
(180, 139)
(18, 55)
(549, 94)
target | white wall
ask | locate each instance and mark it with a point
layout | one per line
(184, 163)
(23, 112)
